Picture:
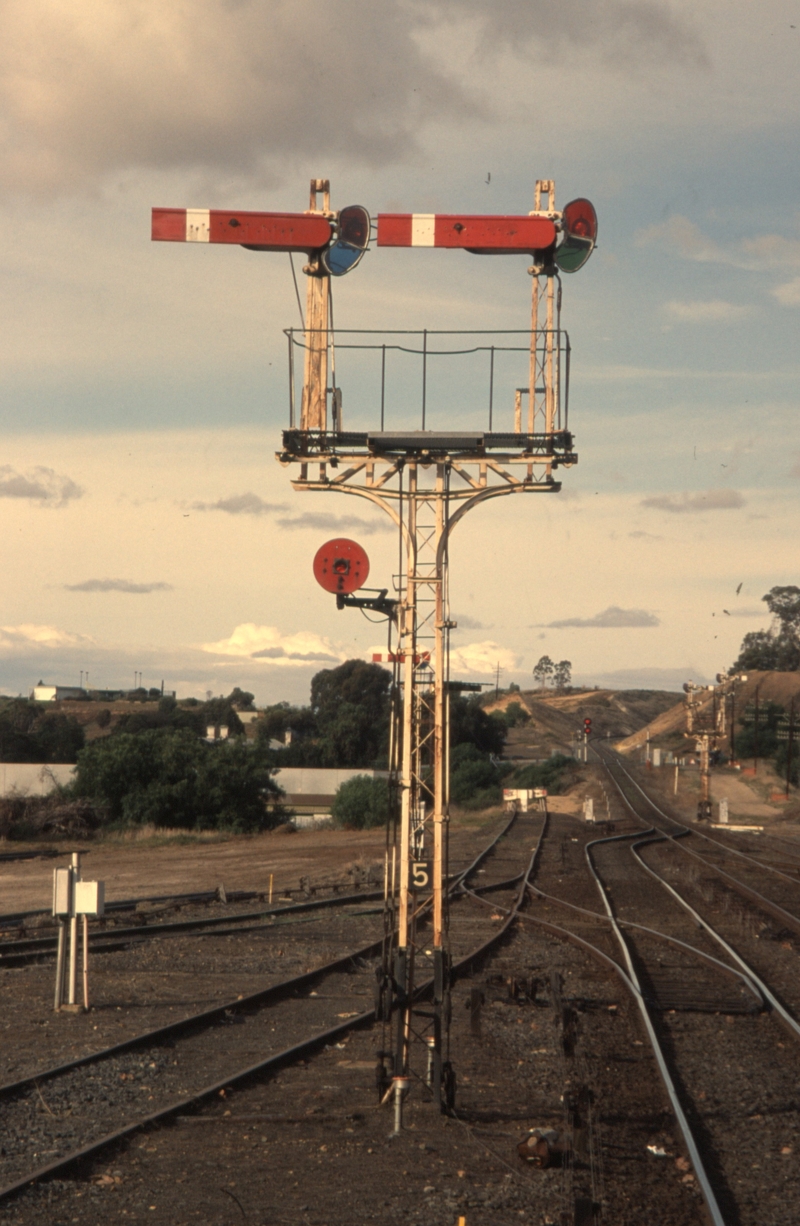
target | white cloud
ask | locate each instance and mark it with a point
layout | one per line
(241, 504)
(42, 485)
(17, 640)
(482, 659)
(92, 88)
(715, 311)
(322, 521)
(268, 644)
(788, 294)
(612, 618)
(757, 254)
(479, 658)
(695, 504)
(117, 585)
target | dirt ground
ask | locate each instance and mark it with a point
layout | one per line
(163, 866)
(749, 800)
(133, 870)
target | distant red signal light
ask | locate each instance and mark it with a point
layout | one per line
(341, 566)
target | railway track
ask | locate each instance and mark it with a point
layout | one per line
(74, 1110)
(716, 1036)
(763, 931)
(20, 950)
(709, 1015)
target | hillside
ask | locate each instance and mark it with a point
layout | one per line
(667, 728)
(555, 718)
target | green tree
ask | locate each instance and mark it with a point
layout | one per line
(543, 671)
(361, 803)
(170, 777)
(779, 647)
(470, 725)
(351, 707)
(58, 737)
(562, 674)
(784, 604)
(30, 734)
(765, 737)
(474, 779)
(515, 714)
(243, 700)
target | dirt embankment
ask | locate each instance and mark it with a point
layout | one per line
(775, 687)
(555, 718)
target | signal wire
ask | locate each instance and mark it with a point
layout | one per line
(297, 293)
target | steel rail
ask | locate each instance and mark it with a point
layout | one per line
(631, 981)
(37, 947)
(260, 998)
(272, 1063)
(789, 1020)
(743, 978)
(701, 1174)
(18, 952)
(13, 918)
(734, 851)
(772, 908)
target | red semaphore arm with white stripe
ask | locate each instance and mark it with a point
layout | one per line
(262, 231)
(484, 235)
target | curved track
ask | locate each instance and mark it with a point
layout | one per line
(707, 1100)
(148, 1057)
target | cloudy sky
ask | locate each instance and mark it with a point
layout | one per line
(143, 387)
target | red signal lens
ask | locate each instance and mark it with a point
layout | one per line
(354, 226)
(579, 218)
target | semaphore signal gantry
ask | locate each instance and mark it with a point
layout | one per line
(507, 393)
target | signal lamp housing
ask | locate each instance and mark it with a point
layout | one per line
(579, 221)
(351, 242)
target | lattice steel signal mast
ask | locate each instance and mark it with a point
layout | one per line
(425, 479)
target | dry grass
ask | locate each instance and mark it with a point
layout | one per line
(158, 835)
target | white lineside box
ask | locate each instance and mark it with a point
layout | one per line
(90, 898)
(588, 809)
(62, 891)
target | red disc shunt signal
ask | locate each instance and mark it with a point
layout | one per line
(341, 566)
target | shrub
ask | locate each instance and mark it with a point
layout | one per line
(515, 714)
(53, 816)
(361, 803)
(474, 779)
(556, 774)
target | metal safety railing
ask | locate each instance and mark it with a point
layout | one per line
(379, 376)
